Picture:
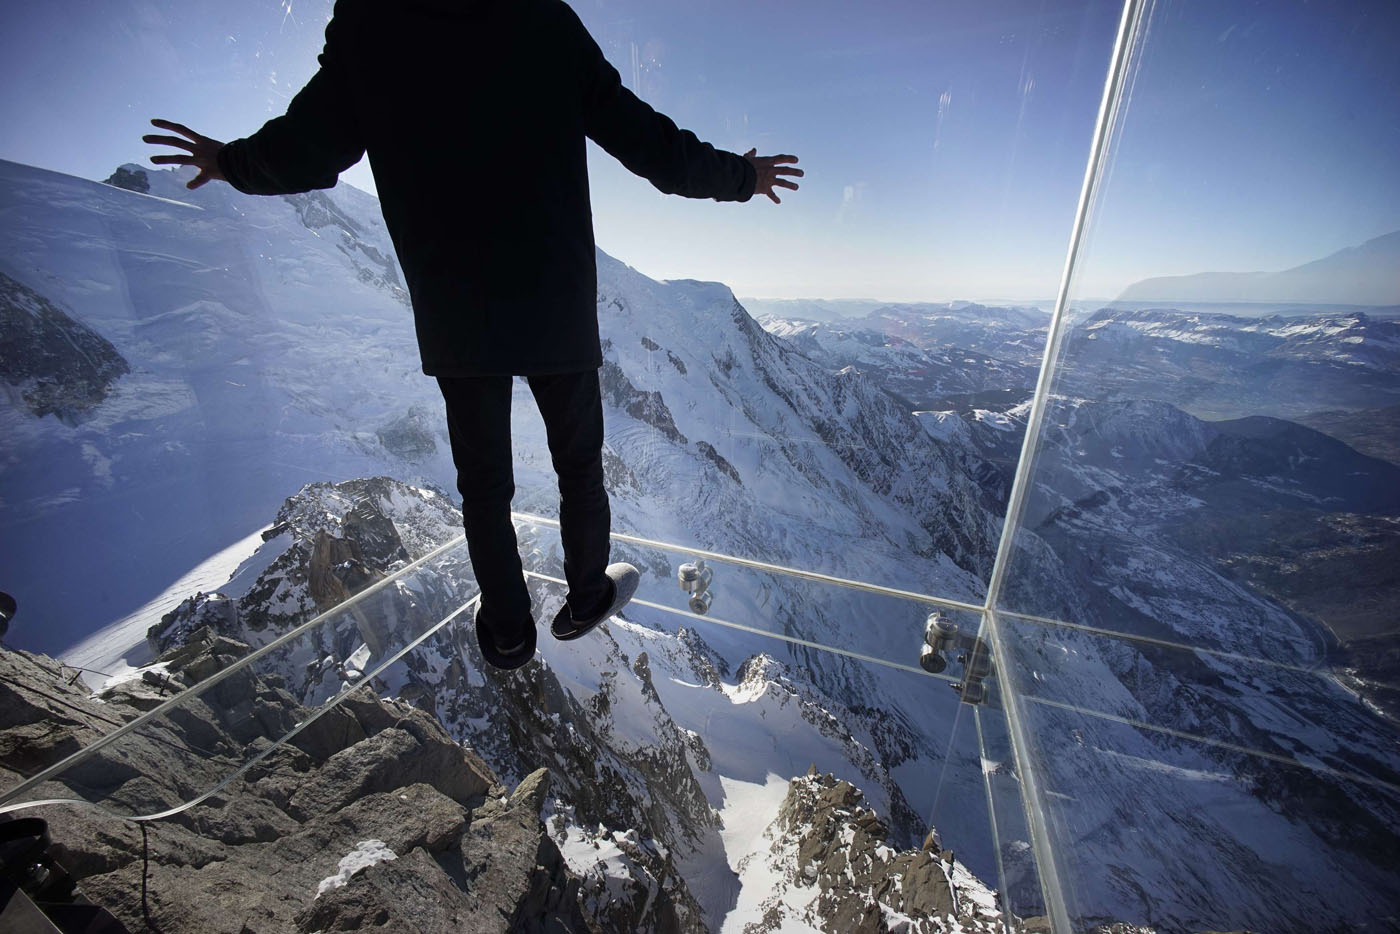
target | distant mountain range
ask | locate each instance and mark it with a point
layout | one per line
(1368, 274)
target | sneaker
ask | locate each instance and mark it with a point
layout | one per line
(622, 582)
(507, 657)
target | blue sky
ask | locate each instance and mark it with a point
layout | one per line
(944, 140)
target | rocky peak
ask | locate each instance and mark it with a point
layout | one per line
(338, 570)
(705, 661)
(130, 177)
(885, 741)
(625, 800)
(389, 520)
(335, 539)
(840, 873)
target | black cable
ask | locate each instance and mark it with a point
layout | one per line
(145, 839)
(80, 669)
(145, 872)
(63, 703)
(62, 664)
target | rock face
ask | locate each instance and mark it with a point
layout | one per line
(632, 806)
(410, 436)
(395, 815)
(646, 407)
(838, 873)
(284, 847)
(337, 539)
(130, 178)
(892, 744)
(56, 365)
(330, 542)
(372, 265)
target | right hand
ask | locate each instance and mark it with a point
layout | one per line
(770, 171)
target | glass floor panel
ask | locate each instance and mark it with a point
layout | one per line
(1233, 705)
(846, 617)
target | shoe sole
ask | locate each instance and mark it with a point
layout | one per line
(486, 642)
(625, 580)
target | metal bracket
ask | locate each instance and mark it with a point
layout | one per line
(694, 578)
(942, 635)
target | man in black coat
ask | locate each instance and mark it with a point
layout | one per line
(474, 114)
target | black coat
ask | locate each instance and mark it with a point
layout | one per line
(474, 115)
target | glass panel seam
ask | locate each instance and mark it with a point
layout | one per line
(992, 819)
(1218, 743)
(1129, 27)
(1052, 622)
(780, 636)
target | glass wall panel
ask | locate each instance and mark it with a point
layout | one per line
(1198, 602)
(238, 348)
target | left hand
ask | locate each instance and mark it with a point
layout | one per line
(769, 170)
(203, 152)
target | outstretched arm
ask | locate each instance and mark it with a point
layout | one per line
(650, 144)
(305, 148)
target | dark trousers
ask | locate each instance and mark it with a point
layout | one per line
(478, 424)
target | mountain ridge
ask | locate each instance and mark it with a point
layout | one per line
(1365, 274)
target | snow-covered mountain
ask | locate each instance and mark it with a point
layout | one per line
(674, 773)
(267, 344)
(810, 309)
(1225, 366)
(268, 348)
(1153, 513)
(925, 376)
(1213, 364)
